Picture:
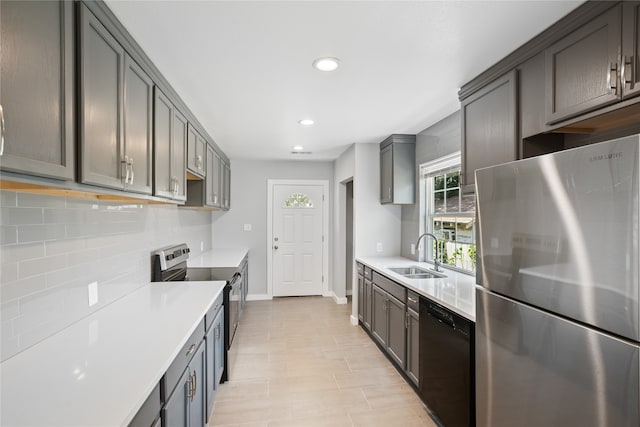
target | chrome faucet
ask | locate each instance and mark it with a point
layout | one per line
(436, 261)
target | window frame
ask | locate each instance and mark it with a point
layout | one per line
(428, 172)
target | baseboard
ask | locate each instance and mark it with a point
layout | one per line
(258, 297)
(337, 299)
(354, 320)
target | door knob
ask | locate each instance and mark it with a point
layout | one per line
(275, 239)
(275, 247)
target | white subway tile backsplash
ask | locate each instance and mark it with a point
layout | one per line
(7, 198)
(80, 241)
(15, 253)
(34, 267)
(8, 234)
(19, 216)
(40, 201)
(40, 233)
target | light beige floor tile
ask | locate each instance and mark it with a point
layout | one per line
(299, 362)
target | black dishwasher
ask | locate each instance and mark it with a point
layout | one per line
(447, 374)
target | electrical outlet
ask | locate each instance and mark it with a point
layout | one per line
(379, 247)
(413, 249)
(201, 246)
(247, 227)
(92, 290)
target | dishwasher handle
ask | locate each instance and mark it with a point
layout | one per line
(441, 315)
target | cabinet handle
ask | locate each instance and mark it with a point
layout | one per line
(217, 331)
(2, 129)
(190, 387)
(125, 162)
(613, 67)
(199, 161)
(626, 60)
(191, 349)
(194, 384)
(131, 166)
(412, 300)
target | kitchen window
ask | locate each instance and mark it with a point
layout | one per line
(448, 214)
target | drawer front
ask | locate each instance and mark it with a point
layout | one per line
(213, 311)
(360, 269)
(368, 273)
(413, 301)
(183, 358)
(390, 286)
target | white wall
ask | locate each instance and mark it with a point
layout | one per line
(249, 206)
(344, 168)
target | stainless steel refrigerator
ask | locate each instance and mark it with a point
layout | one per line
(557, 311)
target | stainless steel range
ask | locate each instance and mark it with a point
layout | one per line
(169, 264)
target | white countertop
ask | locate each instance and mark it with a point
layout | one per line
(218, 258)
(455, 292)
(100, 370)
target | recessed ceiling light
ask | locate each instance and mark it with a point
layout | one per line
(326, 64)
(306, 122)
(297, 148)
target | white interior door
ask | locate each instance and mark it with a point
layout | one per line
(297, 239)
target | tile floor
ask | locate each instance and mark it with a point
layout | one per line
(299, 362)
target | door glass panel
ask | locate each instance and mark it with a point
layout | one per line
(298, 200)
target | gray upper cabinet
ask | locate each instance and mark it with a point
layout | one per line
(225, 171)
(170, 138)
(37, 88)
(115, 112)
(138, 119)
(630, 61)
(489, 126)
(582, 68)
(196, 152)
(397, 169)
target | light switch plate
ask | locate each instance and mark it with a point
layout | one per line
(247, 227)
(92, 289)
(413, 249)
(379, 247)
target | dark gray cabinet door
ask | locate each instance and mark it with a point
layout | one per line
(101, 130)
(211, 385)
(379, 318)
(396, 339)
(368, 303)
(226, 186)
(629, 74)
(216, 180)
(176, 409)
(413, 346)
(163, 182)
(386, 175)
(197, 396)
(37, 88)
(210, 190)
(218, 326)
(489, 126)
(582, 68)
(196, 153)
(178, 155)
(361, 298)
(138, 118)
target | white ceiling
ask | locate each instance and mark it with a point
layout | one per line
(244, 68)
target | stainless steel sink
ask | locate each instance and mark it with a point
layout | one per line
(414, 272)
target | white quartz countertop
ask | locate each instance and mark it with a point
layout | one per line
(100, 370)
(218, 258)
(455, 292)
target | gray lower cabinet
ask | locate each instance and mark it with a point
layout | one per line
(149, 413)
(37, 88)
(388, 324)
(368, 301)
(214, 353)
(186, 405)
(413, 337)
(170, 141)
(115, 112)
(361, 298)
(196, 152)
(489, 126)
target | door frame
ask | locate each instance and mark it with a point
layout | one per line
(325, 229)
